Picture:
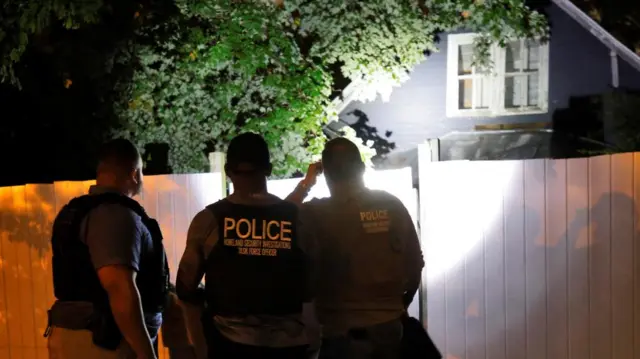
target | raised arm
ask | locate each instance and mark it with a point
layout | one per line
(302, 189)
(114, 236)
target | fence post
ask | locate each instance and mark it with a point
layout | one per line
(427, 152)
(216, 165)
(430, 150)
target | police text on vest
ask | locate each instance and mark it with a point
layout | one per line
(257, 237)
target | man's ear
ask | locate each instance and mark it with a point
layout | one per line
(269, 170)
(134, 175)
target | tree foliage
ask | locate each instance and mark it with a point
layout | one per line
(21, 19)
(221, 68)
(205, 70)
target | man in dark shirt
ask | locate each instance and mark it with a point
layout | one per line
(251, 248)
(368, 260)
(119, 246)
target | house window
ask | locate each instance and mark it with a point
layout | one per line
(516, 84)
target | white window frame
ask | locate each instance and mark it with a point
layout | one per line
(496, 100)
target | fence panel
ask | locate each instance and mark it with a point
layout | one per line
(26, 216)
(532, 258)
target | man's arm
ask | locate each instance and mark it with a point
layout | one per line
(302, 189)
(124, 299)
(414, 261)
(175, 334)
(192, 263)
(113, 237)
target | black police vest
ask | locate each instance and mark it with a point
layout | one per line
(256, 267)
(74, 277)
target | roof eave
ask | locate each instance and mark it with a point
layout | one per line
(599, 32)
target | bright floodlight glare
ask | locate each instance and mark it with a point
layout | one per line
(464, 201)
(396, 182)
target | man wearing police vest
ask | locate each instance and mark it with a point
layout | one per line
(110, 273)
(250, 247)
(368, 261)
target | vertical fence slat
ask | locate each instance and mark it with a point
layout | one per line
(182, 217)
(515, 265)
(165, 217)
(41, 205)
(636, 256)
(535, 257)
(622, 227)
(474, 280)
(204, 190)
(22, 293)
(6, 315)
(556, 253)
(600, 256)
(34, 235)
(454, 268)
(578, 247)
(495, 268)
(433, 282)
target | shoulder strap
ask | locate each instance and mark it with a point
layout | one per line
(216, 207)
(91, 201)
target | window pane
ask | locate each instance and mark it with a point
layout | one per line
(465, 94)
(465, 58)
(513, 91)
(484, 92)
(533, 62)
(533, 88)
(513, 61)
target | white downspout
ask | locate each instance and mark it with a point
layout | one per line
(615, 75)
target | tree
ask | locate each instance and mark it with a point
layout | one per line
(63, 104)
(21, 19)
(218, 69)
(206, 70)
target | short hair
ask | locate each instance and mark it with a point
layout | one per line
(119, 153)
(248, 148)
(341, 159)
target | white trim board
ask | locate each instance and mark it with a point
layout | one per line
(599, 32)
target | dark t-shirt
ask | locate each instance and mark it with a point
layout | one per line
(115, 235)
